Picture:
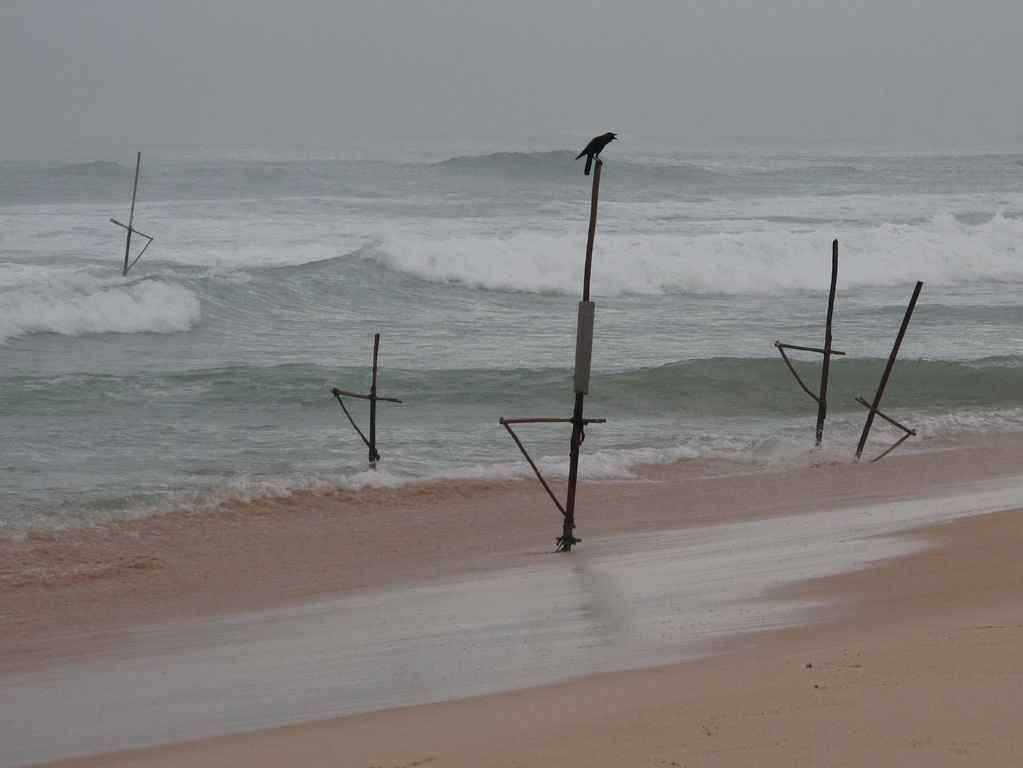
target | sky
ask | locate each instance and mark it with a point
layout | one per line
(319, 74)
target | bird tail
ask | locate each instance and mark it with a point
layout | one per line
(589, 162)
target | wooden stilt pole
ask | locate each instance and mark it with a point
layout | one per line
(371, 441)
(374, 457)
(873, 407)
(584, 347)
(131, 215)
(822, 401)
(822, 395)
(567, 538)
(581, 385)
(592, 230)
(129, 227)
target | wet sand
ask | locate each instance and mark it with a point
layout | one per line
(920, 651)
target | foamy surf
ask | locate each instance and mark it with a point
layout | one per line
(81, 303)
(205, 377)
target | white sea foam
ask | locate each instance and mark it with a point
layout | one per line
(787, 448)
(72, 303)
(262, 253)
(971, 423)
(940, 251)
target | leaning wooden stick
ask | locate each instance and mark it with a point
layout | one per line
(874, 407)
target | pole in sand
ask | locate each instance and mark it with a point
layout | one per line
(873, 407)
(371, 441)
(583, 356)
(581, 384)
(129, 227)
(827, 352)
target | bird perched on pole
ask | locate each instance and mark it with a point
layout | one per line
(594, 148)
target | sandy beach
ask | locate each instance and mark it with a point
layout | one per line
(914, 660)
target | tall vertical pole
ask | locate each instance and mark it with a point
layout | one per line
(374, 457)
(131, 216)
(592, 230)
(822, 401)
(888, 369)
(584, 346)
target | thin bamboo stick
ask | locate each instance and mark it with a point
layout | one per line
(888, 369)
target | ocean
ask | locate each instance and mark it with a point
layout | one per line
(205, 374)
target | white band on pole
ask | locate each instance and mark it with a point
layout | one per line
(584, 346)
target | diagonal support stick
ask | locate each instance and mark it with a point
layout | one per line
(908, 432)
(536, 470)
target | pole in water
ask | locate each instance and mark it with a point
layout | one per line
(374, 457)
(822, 401)
(371, 441)
(873, 408)
(130, 226)
(131, 215)
(821, 396)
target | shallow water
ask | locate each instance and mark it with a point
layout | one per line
(619, 604)
(206, 372)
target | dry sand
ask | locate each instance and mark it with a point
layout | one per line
(921, 666)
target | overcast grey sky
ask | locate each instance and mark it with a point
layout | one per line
(332, 73)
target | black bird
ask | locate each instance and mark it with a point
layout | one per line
(594, 148)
